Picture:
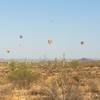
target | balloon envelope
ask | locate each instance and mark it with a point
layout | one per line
(82, 42)
(51, 20)
(20, 36)
(50, 41)
(8, 51)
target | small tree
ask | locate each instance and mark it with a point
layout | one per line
(21, 74)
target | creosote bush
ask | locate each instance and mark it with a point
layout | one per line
(74, 63)
(22, 75)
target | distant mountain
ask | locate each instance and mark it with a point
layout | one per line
(34, 60)
(86, 60)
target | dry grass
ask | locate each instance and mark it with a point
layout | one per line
(57, 80)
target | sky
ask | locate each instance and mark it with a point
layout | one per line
(66, 22)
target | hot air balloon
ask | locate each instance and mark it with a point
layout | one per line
(50, 41)
(82, 42)
(21, 36)
(8, 51)
(51, 20)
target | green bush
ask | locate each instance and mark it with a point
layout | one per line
(22, 75)
(74, 63)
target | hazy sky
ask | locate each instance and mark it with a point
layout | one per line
(67, 22)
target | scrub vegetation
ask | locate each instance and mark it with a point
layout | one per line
(50, 80)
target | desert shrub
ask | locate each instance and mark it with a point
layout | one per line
(70, 90)
(73, 94)
(62, 88)
(51, 90)
(94, 88)
(95, 96)
(12, 65)
(74, 63)
(22, 75)
(76, 78)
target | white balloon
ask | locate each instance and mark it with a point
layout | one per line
(50, 41)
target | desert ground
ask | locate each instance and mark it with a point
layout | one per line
(50, 80)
